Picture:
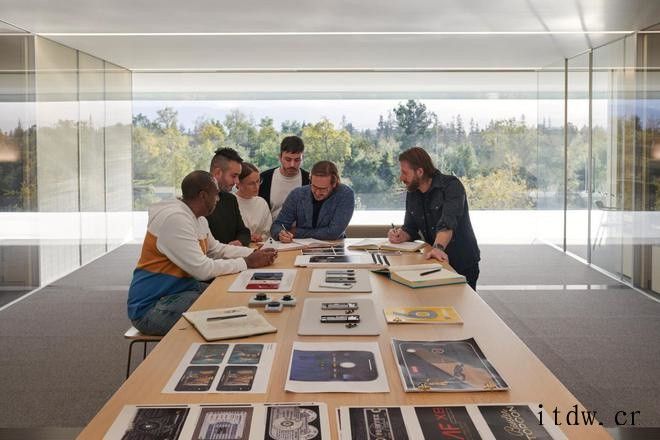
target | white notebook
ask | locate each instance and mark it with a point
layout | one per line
(234, 322)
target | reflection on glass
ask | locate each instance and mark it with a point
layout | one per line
(577, 179)
(550, 199)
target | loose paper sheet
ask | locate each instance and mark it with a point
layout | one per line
(223, 368)
(336, 367)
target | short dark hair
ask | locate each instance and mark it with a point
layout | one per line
(222, 158)
(292, 144)
(418, 158)
(325, 168)
(246, 169)
(195, 182)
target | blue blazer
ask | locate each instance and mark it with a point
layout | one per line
(335, 214)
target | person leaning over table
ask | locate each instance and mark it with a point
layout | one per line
(226, 222)
(437, 209)
(254, 209)
(277, 183)
(179, 250)
(320, 210)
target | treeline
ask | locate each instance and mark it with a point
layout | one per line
(497, 163)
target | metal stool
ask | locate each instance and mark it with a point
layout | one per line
(134, 336)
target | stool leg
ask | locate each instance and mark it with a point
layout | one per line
(144, 352)
(128, 364)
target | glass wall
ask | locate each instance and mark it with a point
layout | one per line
(58, 181)
(550, 199)
(612, 163)
(480, 126)
(118, 175)
(19, 269)
(58, 186)
(577, 155)
(644, 232)
(91, 85)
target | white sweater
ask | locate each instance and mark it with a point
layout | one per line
(256, 215)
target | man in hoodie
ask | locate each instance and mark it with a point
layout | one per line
(179, 250)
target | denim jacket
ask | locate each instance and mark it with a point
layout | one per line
(335, 214)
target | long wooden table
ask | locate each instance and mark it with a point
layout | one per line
(529, 380)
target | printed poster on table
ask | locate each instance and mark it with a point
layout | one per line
(467, 422)
(445, 366)
(271, 421)
(336, 367)
(223, 368)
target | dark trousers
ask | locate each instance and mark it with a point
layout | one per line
(471, 274)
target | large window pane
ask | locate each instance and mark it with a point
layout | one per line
(577, 212)
(479, 126)
(57, 157)
(118, 197)
(92, 157)
(550, 202)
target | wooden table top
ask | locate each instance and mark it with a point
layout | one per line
(529, 380)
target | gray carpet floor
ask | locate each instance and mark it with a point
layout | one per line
(63, 352)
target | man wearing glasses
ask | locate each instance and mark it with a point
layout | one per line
(320, 210)
(178, 252)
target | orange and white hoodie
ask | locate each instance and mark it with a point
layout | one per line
(178, 250)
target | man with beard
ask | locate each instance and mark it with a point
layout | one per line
(225, 221)
(277, 183)
(320, 210)
(437, 210)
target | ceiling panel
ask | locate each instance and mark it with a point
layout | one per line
(332, 52)
(84, 20)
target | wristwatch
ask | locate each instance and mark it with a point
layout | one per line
(438, 246)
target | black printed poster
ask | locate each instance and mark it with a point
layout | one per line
(446, 422)
(513, 422)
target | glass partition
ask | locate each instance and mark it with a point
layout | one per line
(550, 198)
(56, 97)
(92, 160)
(577, 154)
(58, 183)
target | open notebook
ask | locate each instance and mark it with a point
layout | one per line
(422, 275)
(234, 322)
(384, 244)
(296, 244)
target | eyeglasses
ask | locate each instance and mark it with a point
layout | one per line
(321, 190)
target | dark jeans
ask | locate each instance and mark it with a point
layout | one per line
(471, 274)
(160, 318)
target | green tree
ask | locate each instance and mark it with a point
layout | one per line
(413, 122)
(241, 133)
(460, 160)
(324, 142)
(500, 189)
(268, 141)
(290, 128)
(208, 136)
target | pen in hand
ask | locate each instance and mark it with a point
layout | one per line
(221, 317)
